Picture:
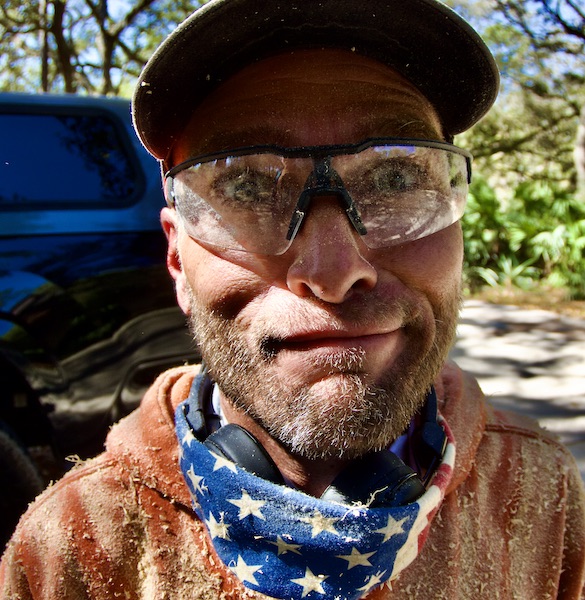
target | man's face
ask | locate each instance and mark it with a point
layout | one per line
(332, 346)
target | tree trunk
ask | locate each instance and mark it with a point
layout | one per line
(64, 57)
(44, 43)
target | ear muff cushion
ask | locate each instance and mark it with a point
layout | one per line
(241, 447)
(377, 479)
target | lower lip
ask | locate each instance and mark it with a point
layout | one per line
(366, 343)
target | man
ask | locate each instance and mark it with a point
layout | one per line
(326, 450)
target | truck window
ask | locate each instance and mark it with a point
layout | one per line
(64, 161)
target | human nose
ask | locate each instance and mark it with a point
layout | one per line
(329, 259)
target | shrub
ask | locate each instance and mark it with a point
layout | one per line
(539, 238)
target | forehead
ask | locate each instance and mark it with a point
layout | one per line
(307, 98)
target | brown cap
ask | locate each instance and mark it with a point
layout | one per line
(424, 40)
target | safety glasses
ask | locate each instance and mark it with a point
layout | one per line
(255, 199)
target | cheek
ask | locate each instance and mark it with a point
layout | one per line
(225, 282)
(433, 264)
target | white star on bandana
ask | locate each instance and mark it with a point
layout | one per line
(320, 523)
(356, 558)
(223, 463)
(392, 528)
(310, 583)
(196, 480)
(245, 572)
(188, 438)
(284, 547)
(372, 582)
(217, 529)
(248, 506)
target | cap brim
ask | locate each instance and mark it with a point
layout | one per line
(424, 40)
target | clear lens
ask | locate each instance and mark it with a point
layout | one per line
(405, 193)
(243, 202)
(246, 202)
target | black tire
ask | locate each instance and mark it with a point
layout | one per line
(20, 483)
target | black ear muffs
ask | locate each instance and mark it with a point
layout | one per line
(377, 479)
(238, 445)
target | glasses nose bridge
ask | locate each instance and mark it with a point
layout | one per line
(324, 181)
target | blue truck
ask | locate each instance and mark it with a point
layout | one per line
(88, 315)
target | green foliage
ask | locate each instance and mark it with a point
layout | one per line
(509, 273)
(538, 239)
(482, 225)
(525, 223)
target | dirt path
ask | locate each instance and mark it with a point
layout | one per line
(530, 361)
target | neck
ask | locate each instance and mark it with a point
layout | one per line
(311, 476)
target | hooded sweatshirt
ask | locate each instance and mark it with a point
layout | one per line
(511, 525)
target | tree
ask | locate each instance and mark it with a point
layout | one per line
(526, 216)
(534, 131)
(553, 25)
(556, 28)
(82, 46)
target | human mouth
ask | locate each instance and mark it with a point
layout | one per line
(331, 342)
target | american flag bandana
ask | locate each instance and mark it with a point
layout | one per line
(289, 545)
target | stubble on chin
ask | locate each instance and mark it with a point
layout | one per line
(341, 416)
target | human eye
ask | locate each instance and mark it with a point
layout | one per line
(394, 175)
(245, 186)
(457, 172)
(381, 178)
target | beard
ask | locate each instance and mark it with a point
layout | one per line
(344, 414)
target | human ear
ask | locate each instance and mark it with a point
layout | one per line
(170, 223)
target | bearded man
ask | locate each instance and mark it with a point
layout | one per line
(326, 448)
